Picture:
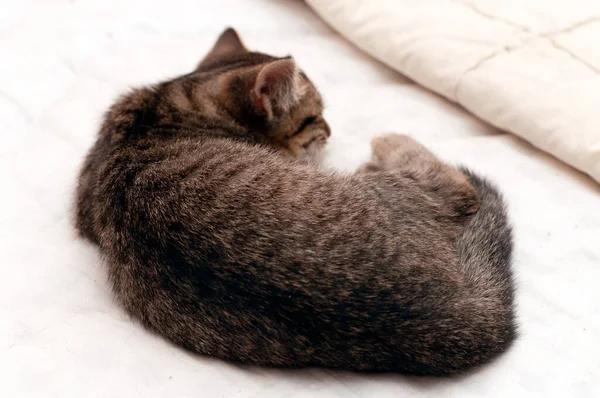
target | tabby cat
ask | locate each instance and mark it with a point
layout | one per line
(221, 236)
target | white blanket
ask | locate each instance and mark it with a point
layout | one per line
(531, 67)
(61, 334)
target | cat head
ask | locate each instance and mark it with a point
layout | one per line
(269, 96)
(233, 91)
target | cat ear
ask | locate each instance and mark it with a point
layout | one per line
(228, 43)
(277, 87)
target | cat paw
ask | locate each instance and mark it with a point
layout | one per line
(397, 149)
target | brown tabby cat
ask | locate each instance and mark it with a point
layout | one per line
(217, 237)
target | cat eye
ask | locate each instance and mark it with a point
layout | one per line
(305, 123)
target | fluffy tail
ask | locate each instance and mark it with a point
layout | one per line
(485, 249)
(485, 246)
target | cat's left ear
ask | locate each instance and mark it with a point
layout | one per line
(228, 43)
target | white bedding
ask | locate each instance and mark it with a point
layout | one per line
(531, 67)
(61, 334)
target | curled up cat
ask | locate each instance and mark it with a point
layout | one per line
(221, 235)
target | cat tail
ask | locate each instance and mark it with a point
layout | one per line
(485, 251)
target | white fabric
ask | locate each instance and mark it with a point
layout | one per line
(529, 67)
(61, 334)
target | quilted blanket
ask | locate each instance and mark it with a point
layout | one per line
(62, 63)
(529, 67)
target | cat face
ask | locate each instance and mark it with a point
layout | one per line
(269, 96)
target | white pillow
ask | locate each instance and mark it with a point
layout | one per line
(531, 68)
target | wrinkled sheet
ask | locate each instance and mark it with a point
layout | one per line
(61, 333)
(529, 67)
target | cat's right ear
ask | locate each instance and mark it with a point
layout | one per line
(277, 87)
(228, 43)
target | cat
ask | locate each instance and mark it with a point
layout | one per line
(222, 237)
